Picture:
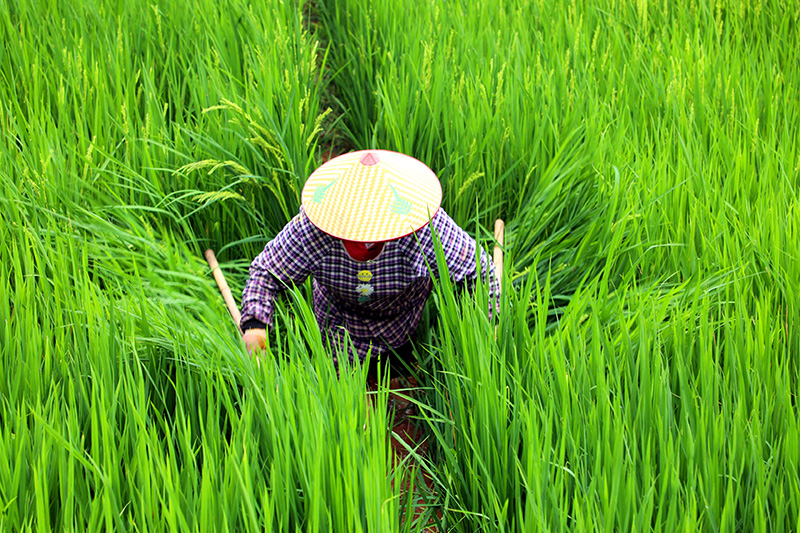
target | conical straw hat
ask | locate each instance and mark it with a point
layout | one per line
(371, 196)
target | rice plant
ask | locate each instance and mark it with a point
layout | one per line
(640, 373)
(644, 158)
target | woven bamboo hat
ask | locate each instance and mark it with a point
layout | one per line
(371, 196)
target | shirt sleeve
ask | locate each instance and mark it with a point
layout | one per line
(286, 259)
(459, 253)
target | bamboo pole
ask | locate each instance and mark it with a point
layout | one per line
(233, 309)
(499, 230)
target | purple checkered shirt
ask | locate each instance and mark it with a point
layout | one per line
(378, 302)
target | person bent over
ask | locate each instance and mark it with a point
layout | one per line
(365, 233)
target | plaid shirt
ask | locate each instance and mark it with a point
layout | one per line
(378, 302)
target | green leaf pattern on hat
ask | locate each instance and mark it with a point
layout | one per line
(400, 206)
(319, 192)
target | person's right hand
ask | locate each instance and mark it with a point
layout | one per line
(255, 339)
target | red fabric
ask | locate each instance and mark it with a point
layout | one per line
(360, 252)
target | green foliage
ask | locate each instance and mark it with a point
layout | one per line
(641, 371)
(133, 136)
(645, 158)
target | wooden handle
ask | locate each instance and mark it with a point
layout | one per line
(499, 230)
(233, 309)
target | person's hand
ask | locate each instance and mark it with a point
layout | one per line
(255, 339)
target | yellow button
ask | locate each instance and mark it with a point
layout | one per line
(364, 275)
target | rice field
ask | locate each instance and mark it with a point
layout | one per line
(644, 371)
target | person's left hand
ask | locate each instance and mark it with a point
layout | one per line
(255, 339)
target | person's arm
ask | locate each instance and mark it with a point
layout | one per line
(459, 253)
(286, 259)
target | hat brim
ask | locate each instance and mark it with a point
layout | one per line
(371, 196)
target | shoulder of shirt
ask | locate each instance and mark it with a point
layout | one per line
(441, 217)
(443, 223)
(301, 219)
(424, 235)
(308, 229)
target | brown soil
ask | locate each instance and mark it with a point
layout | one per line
(406, 432)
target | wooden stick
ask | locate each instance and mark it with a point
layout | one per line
(499, 230)
(233, 309)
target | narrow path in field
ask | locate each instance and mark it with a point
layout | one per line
(405, 432)
(332, 140)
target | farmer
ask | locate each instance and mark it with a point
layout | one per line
(365, 232)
